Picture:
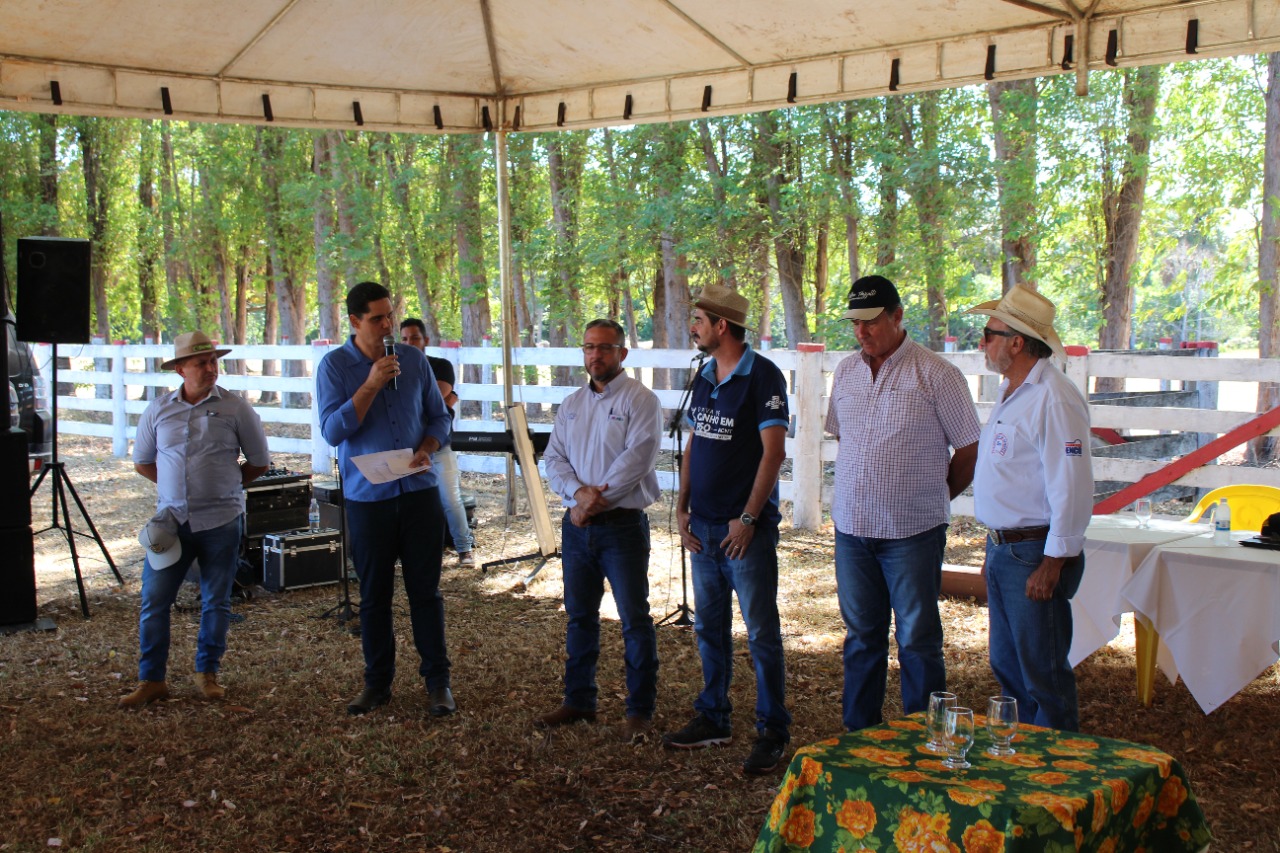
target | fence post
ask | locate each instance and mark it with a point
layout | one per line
(1077, 368)
(486, 376)
(320, 452)
(119, 395)
(806, 466)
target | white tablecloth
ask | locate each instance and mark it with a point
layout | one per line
(1114, 547)
(1217, 608)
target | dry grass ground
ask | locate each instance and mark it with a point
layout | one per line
(280, 766)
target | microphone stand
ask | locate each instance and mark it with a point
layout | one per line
(342, 611)
(682, 616)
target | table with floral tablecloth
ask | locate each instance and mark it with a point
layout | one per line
(880, 789)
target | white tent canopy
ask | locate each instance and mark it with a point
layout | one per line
(453, 66)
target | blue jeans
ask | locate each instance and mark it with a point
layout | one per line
(409, 527)
(874, 576)
(754, 578)
(218, 551)
(449, 481)
(617, 552)
(1029, 640)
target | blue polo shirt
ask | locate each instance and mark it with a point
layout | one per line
(726, 420)
(397, 418)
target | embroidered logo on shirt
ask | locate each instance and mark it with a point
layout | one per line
(1074, 448)
(775, 403)
(1000, 444)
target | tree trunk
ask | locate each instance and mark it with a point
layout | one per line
(48, 152)
(723, 261)
(1266, 448)
(97, 199)
(789, 221)
(286, 293)
(929, 191)
(566, 156)
(326, 278)
(1122, 213)
(399, 182)
(840, 141)
(464, 155)
(895, 124)
(148, 245)
(1014, 115)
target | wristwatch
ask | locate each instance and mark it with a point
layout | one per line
(747, 519)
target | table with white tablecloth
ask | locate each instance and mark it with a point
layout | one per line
(1216, 609)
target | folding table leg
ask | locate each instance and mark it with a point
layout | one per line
(1147, 641)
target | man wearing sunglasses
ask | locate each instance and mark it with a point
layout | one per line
(1033, 489)
(908, 436)
(601, 460)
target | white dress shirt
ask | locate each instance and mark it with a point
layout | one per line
(1034, 464)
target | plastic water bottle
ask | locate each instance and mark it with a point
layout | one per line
(313, 515)
(1222, 523)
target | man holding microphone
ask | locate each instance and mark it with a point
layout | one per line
(375, 396)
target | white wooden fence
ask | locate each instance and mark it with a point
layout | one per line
(808, 448)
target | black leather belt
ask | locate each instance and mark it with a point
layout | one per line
(621, 515)
(1019, 534)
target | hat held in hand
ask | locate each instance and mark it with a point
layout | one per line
(160, 539)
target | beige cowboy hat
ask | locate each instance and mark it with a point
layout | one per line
(723, 302)
(1025, 311)
(192, 343)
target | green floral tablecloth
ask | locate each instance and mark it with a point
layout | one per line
(879, 789)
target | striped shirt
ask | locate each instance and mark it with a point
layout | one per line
(896, 432)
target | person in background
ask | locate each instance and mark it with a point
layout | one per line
(188, 443)
(601, 460)
(1033, 489)
(898, 411)
(445, 460)
(727, 510)
(369, 402)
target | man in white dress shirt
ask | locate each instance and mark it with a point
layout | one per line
(1033, 489)
(600, 460)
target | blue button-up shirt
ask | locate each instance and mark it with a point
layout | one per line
(398, 418)
(196, 450)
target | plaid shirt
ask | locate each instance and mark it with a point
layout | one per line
(896, 433)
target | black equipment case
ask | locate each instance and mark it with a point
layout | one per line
(277, 502)
(301, 558)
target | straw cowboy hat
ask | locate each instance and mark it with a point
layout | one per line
(192, 343)
(1025, 311)
(723, 302)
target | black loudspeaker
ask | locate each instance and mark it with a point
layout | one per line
(17, 568)
(53, 290)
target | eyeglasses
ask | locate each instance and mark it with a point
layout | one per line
(603, 349)
(988, 333)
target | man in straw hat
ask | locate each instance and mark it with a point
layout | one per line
(898, 411)
(1033, 489)
(728, 515)
(189, 443)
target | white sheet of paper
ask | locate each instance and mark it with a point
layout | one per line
(387, 465)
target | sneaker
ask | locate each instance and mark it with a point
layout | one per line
(144, 694)
(207, 684)
(467, 560)
(699, 733)
(766, 755)
(563, 716)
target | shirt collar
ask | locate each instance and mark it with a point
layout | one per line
(743, 367)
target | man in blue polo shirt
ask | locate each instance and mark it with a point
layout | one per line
(370, 401)
(728, 516)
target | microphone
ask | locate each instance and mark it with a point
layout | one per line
(389, 345)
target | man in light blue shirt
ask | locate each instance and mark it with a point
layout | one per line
(189, 443)
(369, 402)
(600, 460)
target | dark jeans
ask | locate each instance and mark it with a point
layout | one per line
(616, 551)
(1029, 640)
(411, 528)
(218, 551)
(874, 577)
(754, 577)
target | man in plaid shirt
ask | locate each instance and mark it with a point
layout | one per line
(898, 411)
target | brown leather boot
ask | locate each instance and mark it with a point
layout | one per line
(207, 684)
(145, 693)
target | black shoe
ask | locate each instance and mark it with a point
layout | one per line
(368, 699)
(766, 755)
(440, 702)
(699, 733)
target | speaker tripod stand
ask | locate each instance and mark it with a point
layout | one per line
(59, 485)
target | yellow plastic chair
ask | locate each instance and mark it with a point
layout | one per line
(1250, 505)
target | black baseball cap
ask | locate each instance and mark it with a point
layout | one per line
(869, 296)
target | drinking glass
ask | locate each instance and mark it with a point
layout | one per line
(936, 719)
(1142, 511)
(959, 736)
(1002, 724)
